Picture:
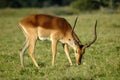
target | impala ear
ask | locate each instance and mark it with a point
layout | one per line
(72, 42)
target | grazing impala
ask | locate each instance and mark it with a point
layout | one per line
(42, 26)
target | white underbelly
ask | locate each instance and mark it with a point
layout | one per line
(44, 38)
(47, 38)
(43, 35)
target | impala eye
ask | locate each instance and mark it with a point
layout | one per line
(81, 46)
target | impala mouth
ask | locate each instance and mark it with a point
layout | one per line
(79, 60)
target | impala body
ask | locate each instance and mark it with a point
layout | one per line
(42, 26)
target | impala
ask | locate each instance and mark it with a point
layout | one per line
(42, 26)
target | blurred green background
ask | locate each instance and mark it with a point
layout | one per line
(100, 62)
(81, 5)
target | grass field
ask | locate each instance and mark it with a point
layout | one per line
(100, 62)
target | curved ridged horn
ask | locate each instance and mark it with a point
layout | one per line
(94, 39)
(74, 25)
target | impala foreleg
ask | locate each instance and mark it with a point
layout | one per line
(65, 46)
(54, 49)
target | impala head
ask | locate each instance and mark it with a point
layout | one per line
(76, 44)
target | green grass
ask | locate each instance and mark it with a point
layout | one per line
(100, 62)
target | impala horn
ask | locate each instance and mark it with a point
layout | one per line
(74, 24)
(94, 39)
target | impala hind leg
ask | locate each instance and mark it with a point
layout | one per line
(26, 44)
(31, 50)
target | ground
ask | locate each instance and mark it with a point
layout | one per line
(101, 61)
